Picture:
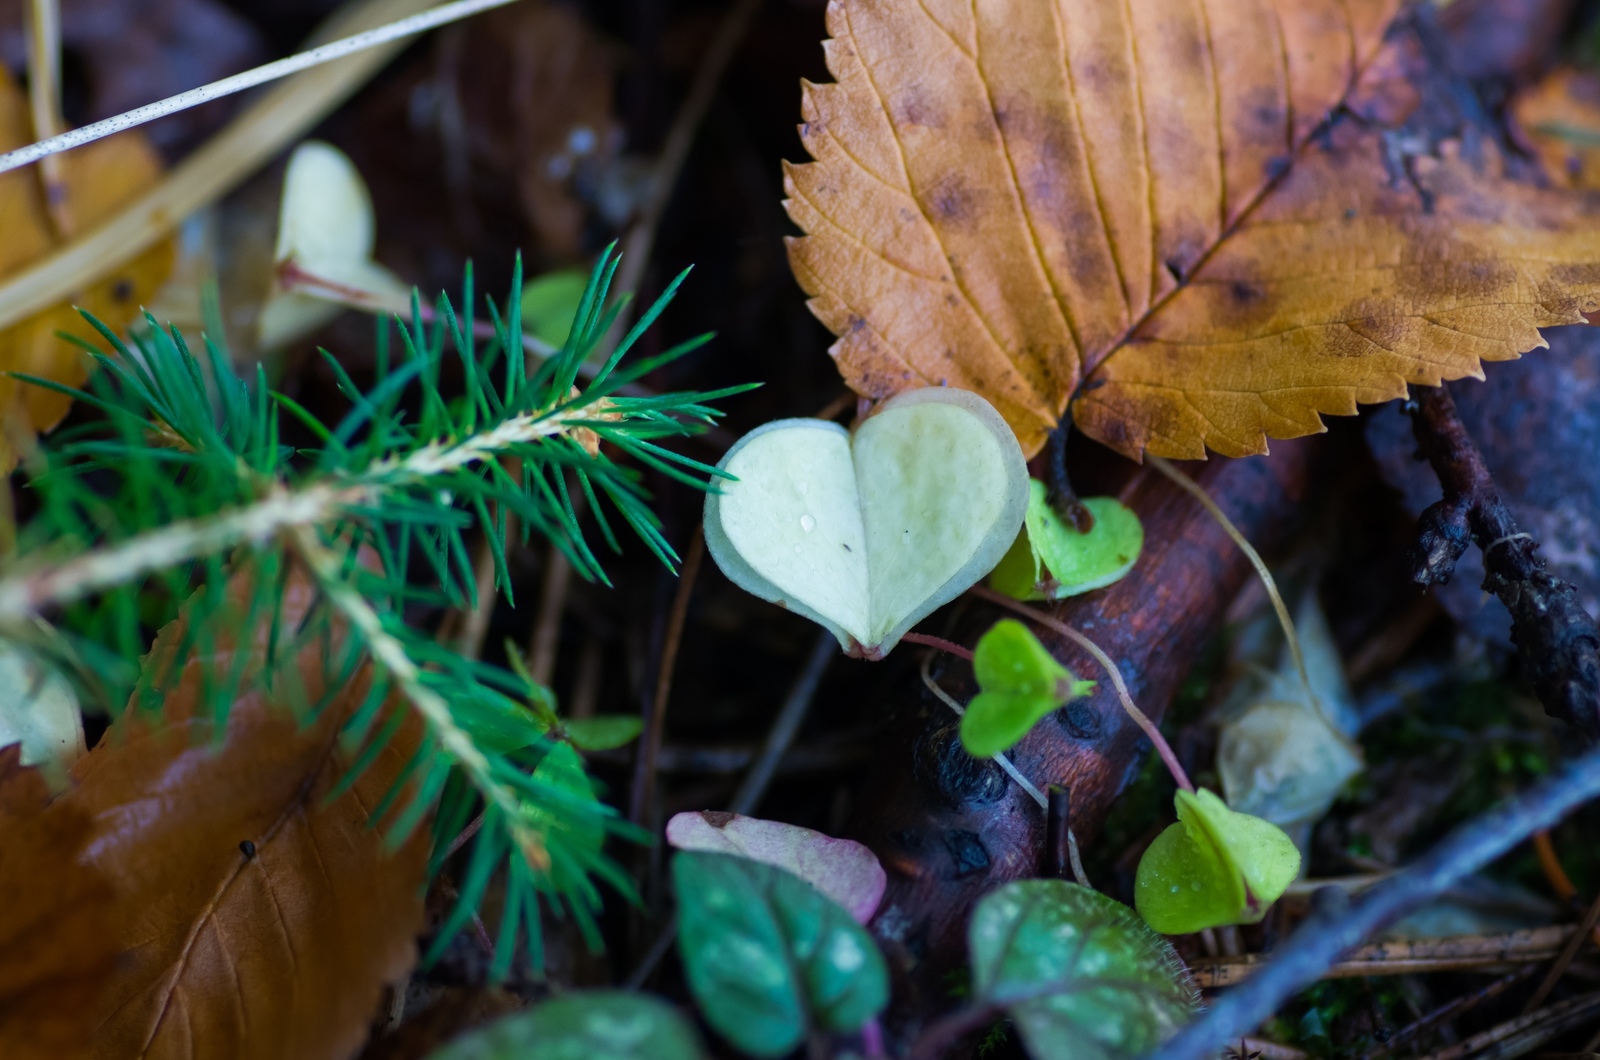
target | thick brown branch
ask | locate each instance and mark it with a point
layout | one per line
(1557, 641)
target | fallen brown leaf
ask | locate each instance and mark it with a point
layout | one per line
(256, 917)
(1144, 209)
(98, 179)
(56, 947)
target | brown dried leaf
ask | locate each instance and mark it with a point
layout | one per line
(99, 178)
(1137, 208)
(224, 953)
(56, 946)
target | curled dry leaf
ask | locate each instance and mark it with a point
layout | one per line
(842, 869)
(56, 944)
(99, 178)
(256, 916)
(1145, 211)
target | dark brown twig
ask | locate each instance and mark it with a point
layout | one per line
(644, 773)
(1564, 960)
(1452, 1009)
(1557, 641)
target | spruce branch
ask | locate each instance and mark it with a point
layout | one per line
(185, 476)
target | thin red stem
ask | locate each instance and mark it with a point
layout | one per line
(931, 641)
(1139, 717)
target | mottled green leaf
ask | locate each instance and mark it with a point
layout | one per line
(597, 1025)
(1081, 975)
(768, 956)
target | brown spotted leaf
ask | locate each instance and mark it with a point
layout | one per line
(1154, 211)
(56, 947)
(99, 178)
(256, 916)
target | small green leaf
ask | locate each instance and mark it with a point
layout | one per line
(1051, 560)
(550, 302)
(768, 956)
(1213, 867)
(1020, 682)
(595, 1025)
(1080, 973)
(604, 732)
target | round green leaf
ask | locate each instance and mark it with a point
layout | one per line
(1214, 867)
(550, 302)
(596, 1025)
(1020, 682)
(768, 956)
(1080, 973)
(1051, 560)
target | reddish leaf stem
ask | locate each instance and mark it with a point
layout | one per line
(931, 641)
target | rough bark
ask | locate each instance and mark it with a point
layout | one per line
(949, 827)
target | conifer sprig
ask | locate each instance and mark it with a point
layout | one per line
(186, 476)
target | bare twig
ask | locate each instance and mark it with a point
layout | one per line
(1557, 641)
(795, 707)
(1329, 933)
(1454, 1008)
(546, 637)
(644, 772)
(273, 71)
(641, 237)
(252, 139)
(1522, 1035)
(1405, 956)
(1564, 960)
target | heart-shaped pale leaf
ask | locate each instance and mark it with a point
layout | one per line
(1213, 867)
(1119, 988)
(1020, 682)
(326, 233)
(1051, 560)
(842, 869)
(868, 533)
(769, 957)
(591, 1025)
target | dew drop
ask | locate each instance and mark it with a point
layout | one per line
(807, 523)
(798, 550)
(1194, 886)
(1174, 888)
(803, 486)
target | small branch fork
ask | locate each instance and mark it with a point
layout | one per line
(1557, 641)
